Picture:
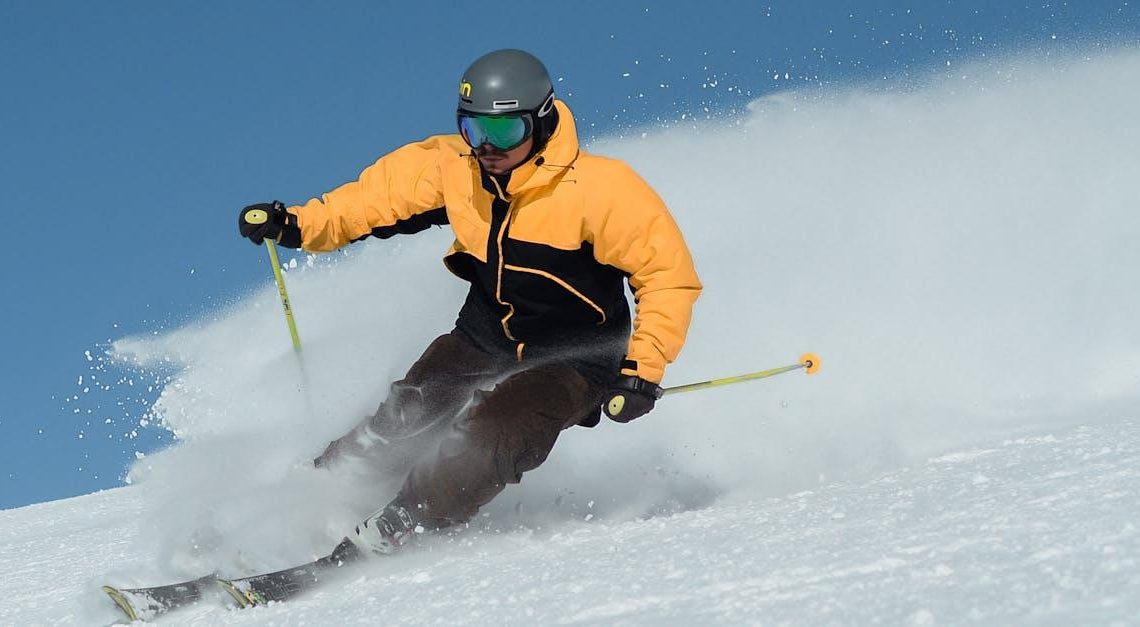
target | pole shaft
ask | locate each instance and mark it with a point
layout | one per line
(763, 374)
(280, 278)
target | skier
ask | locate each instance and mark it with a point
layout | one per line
(547, 235)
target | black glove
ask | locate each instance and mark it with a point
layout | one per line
(630, 397)
(269, 220)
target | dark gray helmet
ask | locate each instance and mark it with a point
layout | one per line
(505, 82)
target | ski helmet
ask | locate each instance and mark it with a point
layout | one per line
(508, 84)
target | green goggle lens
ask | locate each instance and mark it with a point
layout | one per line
(502, 132)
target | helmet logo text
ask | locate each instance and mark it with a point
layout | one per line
(465, 89)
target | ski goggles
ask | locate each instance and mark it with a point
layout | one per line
(501, 131)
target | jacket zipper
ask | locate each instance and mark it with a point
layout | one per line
(499, 270)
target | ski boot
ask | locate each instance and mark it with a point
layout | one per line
(385, 531)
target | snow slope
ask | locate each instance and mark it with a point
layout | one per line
(1032, 530)
(962, 255)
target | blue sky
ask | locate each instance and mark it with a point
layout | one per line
(134, 131)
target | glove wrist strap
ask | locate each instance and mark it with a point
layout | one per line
(640, 386)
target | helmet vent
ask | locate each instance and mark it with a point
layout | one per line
(505, 104)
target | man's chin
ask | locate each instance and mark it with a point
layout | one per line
(495, 167)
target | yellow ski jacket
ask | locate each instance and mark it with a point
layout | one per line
(546, 256)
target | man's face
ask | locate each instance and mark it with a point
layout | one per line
(496, 161)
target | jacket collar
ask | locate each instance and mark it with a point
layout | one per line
(558, 156)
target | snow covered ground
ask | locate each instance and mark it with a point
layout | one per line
(1030, 530)
(962, 254)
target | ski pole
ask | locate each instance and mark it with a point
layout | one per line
(808, 361)
(280, 278)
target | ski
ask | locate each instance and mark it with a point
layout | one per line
(149, 603)
(288, 583)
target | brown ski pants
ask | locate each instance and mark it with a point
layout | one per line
(463, 423)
